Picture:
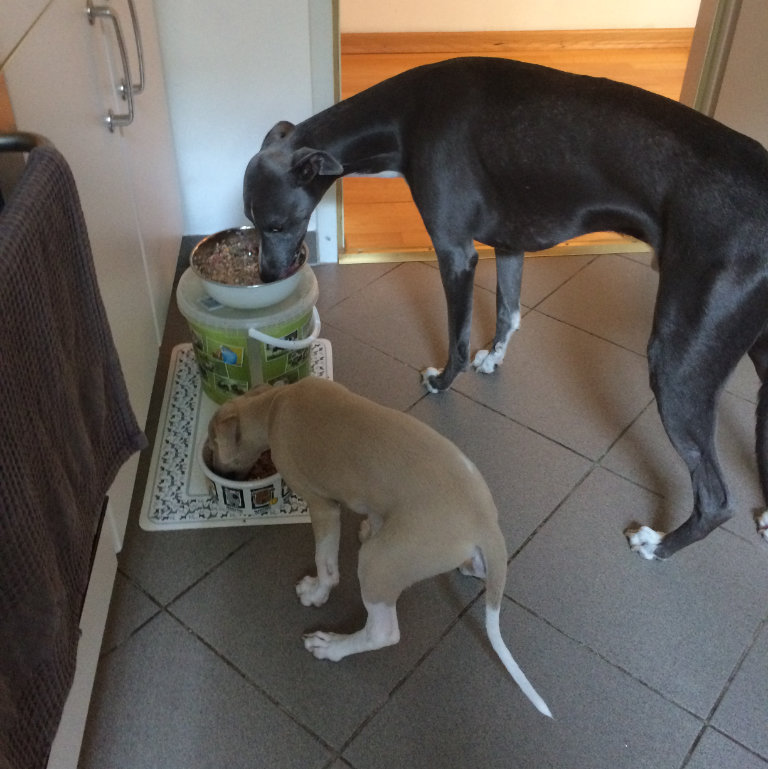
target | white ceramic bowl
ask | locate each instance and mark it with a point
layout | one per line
(244, 297)
(262, 496)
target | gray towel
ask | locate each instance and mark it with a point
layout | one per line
(66, 427)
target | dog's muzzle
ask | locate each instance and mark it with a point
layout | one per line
(270, 274)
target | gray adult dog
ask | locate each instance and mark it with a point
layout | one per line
(522, 157)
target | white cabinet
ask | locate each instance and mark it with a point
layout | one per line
(62, 79)
(62, 74)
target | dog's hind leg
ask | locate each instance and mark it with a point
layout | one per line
(759, 355)
(698, 338)
(457, 271)
(380, 586)
(509, 275)
(385, 568)
(381, 629)
(326, 525)
(687, 402)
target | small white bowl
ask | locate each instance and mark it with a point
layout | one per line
(259, 497)
(242, 297)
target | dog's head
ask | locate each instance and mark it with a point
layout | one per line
(237, 435)
(281, 188)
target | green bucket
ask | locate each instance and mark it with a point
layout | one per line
(239, 349)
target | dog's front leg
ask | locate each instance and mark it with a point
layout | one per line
(326, 525)
(509, 276)
(457, 271)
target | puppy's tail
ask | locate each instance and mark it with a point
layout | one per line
(494, 635)
(495, 557)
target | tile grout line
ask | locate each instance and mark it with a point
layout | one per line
(608, 661)
(407, 675)
(336, 754)
(253, 684)
(163, 607)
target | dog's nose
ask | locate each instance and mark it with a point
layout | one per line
(266, 272)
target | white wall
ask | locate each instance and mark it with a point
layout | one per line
(17, 18)
(232, 71)
(509, 15)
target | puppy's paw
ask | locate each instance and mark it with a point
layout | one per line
(644, 541)
(324, 646)
(762, 525)
(312, 592)
(428, 379)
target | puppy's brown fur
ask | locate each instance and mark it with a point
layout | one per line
(428, 508)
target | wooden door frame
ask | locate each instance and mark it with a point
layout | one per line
(712, 39)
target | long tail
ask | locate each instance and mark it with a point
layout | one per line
(494, 636)
(494, 557)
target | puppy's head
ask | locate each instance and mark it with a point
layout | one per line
(237, 435)
(281, 187)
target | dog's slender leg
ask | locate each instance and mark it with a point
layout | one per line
(381, 582)
(509, 276)
(689, 419)
(687, 383)
(381, 629)
(699, 336)
(326, 525)
(759, 355)
(457, 271)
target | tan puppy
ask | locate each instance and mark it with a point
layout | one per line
(428, 508)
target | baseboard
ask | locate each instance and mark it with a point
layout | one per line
(599, 243)
(510, 42)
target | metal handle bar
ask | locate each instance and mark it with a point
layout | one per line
(126, 88)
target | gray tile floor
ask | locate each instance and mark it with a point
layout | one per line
(658, 665)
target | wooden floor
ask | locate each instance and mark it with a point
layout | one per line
(379, 215)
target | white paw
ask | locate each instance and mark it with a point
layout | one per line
(324, 646)
(425, 377)
(312, 592)
(762, 525)
(486, 361)
(644, 541)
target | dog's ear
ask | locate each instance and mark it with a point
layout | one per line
(277, 132)
(224, 436)
(307, 163)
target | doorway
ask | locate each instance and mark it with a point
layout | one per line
(380, 221)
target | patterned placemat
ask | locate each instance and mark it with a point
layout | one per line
(177, 495)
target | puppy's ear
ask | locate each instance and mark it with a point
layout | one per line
(307, 163)
(224, 437)
(277, 132)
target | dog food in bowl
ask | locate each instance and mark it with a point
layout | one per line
(227, 262)
(264, 467)
(261, 495)
(233, 260)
